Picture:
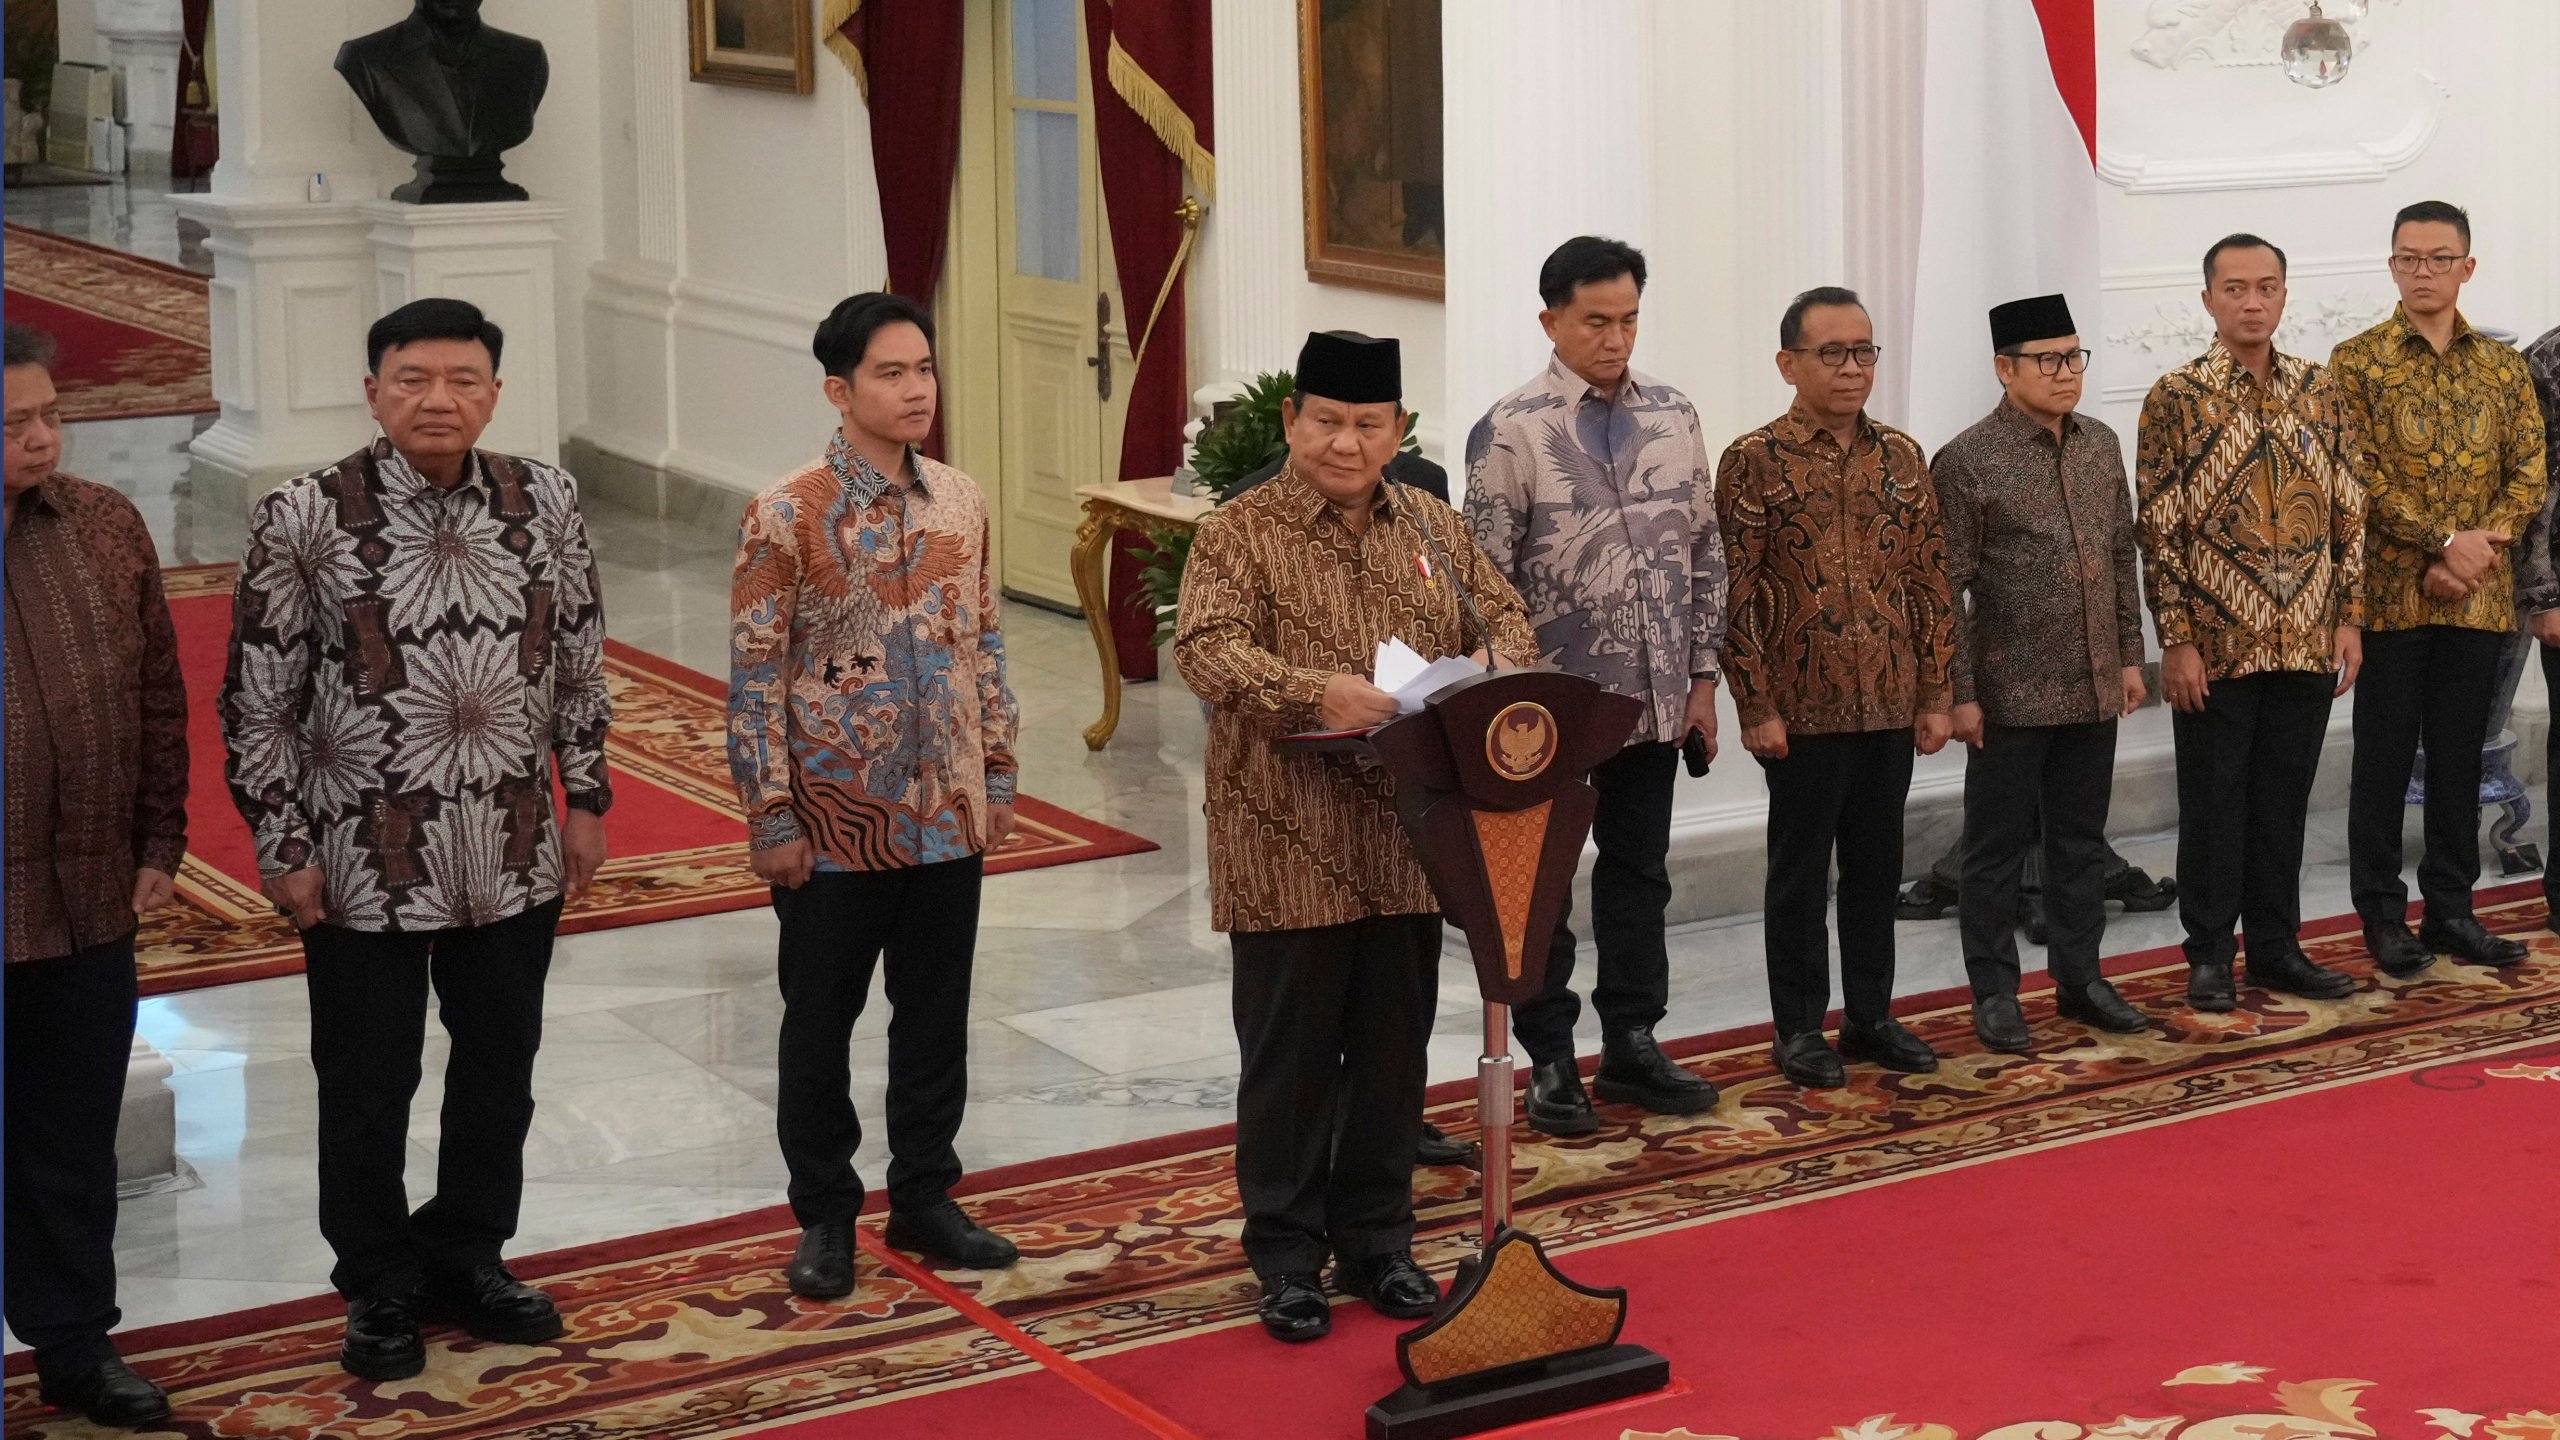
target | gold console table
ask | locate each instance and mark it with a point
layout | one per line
(1146, 506)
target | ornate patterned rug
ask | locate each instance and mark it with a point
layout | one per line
(2068, 1245)
(134, 333)
(679, 847)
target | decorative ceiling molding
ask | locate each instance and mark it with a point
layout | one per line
(2367, 160)
(2228, 33)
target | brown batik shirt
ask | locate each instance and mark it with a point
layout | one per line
(97, 720)
(407, 664)
(2040, 560)
(1278, 597)
(2252, 520)
(1837, 567)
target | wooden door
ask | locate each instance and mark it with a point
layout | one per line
(1063, 354)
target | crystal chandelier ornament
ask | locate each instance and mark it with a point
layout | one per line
(2318, 49)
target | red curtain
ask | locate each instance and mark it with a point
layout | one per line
(198, 135)
(909, 54)
(1151, 102)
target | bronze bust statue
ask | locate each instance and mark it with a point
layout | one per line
(452, 92)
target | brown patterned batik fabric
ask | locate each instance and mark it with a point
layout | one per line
(2040, 560)
(2252, 518)
(1279, 596)
(2450, 442)
(97, 719)
(407, 663)
(2537, 569)
(1839, 620)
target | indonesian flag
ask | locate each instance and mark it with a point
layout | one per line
(2008, 191)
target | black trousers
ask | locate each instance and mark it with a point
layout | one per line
(2245, 766)
(1834, 795)
(2551, 779)
(2066, 774)
(2429, 687)
(1333, 1022)
(835, 931)
(368, 1022)
(1630, 891)
(70, 1034)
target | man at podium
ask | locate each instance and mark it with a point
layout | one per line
(1288, 593)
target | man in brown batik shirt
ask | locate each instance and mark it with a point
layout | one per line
(1837, 649)
(97, 789)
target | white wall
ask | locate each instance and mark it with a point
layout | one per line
(1251, 302)
(78, 21)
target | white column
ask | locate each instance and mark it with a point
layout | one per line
(1548, 122)
(503, 258)
(292, 275)
(142, 39)
(1251, 256)
(1883, 46)
(630, 296)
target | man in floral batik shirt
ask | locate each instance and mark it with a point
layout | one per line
(417, 643)
(1592, 490)
(2538, 574)
(871, 737)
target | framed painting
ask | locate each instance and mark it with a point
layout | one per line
(1369, 115)
(762, 44)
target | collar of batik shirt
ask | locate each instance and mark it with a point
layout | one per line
(2405, 332)
(860, 477)
(401, 481)
(1566, 382)
(2286, 374)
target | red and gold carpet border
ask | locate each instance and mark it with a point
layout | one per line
(135, 334)
(692, 1333)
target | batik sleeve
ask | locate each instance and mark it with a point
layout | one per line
(762, 591)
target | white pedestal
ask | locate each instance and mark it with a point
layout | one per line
(292, 296)
(502, 257)
(147, 1133)
(143, 38)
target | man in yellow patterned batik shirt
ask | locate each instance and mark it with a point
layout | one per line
(1288, 593)
(2454, 470)
(2252, 529)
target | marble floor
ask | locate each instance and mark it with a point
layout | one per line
(1100, 1012)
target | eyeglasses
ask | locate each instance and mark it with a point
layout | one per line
(2051, 362)
(2426, 264)
(1834, 355)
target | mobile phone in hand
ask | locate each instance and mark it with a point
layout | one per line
(1694, 750)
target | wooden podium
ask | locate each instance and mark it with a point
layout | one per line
(1490, 785)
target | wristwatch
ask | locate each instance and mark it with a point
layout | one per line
(595, 800)
(2447, 542)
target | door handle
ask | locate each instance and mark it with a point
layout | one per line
(1100, 359)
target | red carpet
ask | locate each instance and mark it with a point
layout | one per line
(133, 332)
(2299, 1221)
(678, 846)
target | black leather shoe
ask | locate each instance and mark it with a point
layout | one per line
(1557, 1105)
(382, 1338)
(2135, 890)
(1887, 1044)
(2098, 1006)
(1927, 898)
(1294, 1309)
(1438, 1149)
(2292, 972)
(2466, 939)
(946, 1233)
(1392, 1284)
(1634, 1071)
(109, 1393)
(2209, 986)
(491, 1304)
(822, 1264)
(1809, 1061)
(2395, 951)
(1999, 1026)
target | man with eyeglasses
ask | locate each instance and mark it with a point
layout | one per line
(2253, 539)
(2452, 458)
(2048, 656)
(1836, 650)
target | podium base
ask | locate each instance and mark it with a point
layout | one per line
(1534, 1391)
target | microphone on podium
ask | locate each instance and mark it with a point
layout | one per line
(1458, 587)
